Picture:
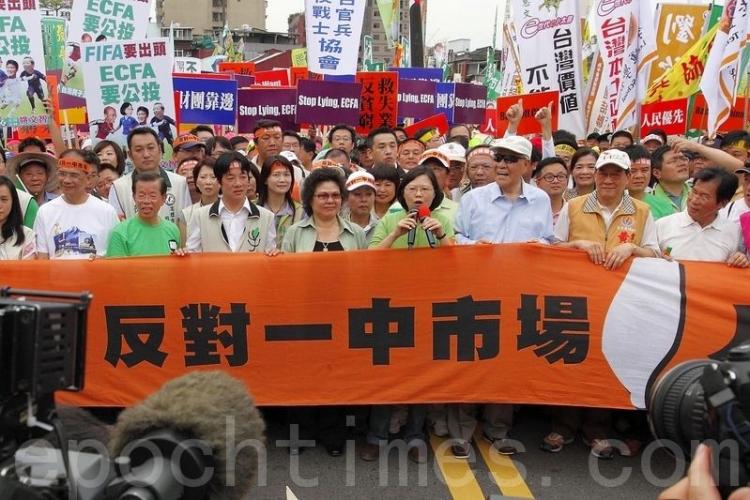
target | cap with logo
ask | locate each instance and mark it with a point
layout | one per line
(514, 143)
(360, 179)
(187, 141)
(613, 157)
(454, 151)
(435, 154)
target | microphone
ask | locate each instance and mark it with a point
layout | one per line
(412, 235)
(189, 440)
(424, 211)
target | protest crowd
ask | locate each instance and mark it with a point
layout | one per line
(277, 189)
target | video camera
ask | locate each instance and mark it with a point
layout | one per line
(704, 400)
(42, 350)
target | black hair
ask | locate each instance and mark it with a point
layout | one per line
(536, 155)
(32, 141)
(124, 106)
(2, 154)
(605, 136)
(660, 133)
(91, 158)
(401, 129)
(220, 140)
(14, 223)
(307, 145)
(422, 131)
(100, 38)
(144, 109)
(456, 125)
(221, 167)
(657, 157)
(265, 173)
(149, 177)
(637, 152)
(12, 62)
(291, 133)
(592, 136)
(335, 152)
(119, 154)
(383, 172)
(727, 182)
(202, 128)
(623, 133)
(551, 160)
(733, 137)
(564, 136)
(379, 131)
(106, 166)
(413, 174)
(238, 139)
(265, 123)
(205, 162)
(580, 153)
(143, 131)
(342, 126)
(566, 142)
(319, 176)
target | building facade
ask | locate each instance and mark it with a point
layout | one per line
(208, 17)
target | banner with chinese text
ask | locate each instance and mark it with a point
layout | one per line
(23, 74)
(669, 116)
(333, 30)
(534, 318)
(378, 101)
(98, 21)
(190, 65)
(207, 101)
(127, 82)
(678, 28)
(532, 103)
(549, 44)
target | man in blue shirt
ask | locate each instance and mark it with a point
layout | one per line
(505, 211)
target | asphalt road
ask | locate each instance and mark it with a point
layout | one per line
(571, 474)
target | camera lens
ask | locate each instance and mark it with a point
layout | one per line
(677, 410)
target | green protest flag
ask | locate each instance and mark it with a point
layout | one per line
(53, 40)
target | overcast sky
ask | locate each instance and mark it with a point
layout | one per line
(473, 20)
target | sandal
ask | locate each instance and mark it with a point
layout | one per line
(555, 442)
(601, 448)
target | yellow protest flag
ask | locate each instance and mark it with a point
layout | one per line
(684, 77)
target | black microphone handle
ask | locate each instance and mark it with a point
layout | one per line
(430, 238)
(411, 236)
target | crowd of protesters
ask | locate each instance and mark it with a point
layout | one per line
(281, 192)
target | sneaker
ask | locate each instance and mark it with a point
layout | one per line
(555, 442)
(601, 448)
(369, 452)
(461, 449)
(503, 446)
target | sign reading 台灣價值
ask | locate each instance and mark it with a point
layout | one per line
(128, 81)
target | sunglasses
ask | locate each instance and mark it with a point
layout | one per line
(507, 158)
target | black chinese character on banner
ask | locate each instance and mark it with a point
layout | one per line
(381, 328)
(565, 331)
(466, 327)
(200, 323)
(142, 336)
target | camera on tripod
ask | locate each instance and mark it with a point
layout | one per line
(708, 400)
(42, 350)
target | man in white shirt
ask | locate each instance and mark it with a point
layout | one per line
(75, 225)
(232, 224)
(144, 149)
(700, 233)
(734, 209)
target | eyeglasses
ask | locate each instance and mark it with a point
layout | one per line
(507, 158)
(553, 178)
(328, 196)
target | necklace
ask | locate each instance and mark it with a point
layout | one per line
(325, 245)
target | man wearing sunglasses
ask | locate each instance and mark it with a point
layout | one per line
(507, 210)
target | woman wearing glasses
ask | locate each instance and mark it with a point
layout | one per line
(275, 187)
(323, 231)
(552, 178)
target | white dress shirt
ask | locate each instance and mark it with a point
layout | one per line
(687, 240)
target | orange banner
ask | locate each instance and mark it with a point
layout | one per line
(530, 324)
(678, 28)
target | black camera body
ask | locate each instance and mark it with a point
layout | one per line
(708, 400)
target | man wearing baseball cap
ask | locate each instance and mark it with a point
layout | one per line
(361, 201)
(75, 225)
(652, 142)
(505, 211)
(609, 224)
(456, 154)
(188, 147)
(34, 173)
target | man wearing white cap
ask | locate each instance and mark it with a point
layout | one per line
(652, 142)
(361, 200)
(505, 211)
(457, 164)
(609, 224)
